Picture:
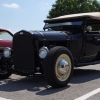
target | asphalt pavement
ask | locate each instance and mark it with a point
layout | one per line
(85, 85)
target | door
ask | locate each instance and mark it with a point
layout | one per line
(92, 46)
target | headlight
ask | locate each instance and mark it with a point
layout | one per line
(7, 52)
(43, 52)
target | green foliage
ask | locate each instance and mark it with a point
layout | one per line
(64, 7)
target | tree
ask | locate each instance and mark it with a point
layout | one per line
(64, 7)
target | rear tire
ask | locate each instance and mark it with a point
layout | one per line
(58, 67)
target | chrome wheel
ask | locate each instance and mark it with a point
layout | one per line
(63, 67)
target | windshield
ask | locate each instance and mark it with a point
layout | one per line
(64, 26)
(49, 25)
(5, 35)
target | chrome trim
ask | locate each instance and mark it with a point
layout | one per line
(41, 34)
(7, 48)
(21, 33)
(63, 67)
(41, 49)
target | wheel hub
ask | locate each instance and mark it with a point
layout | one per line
(63, 67)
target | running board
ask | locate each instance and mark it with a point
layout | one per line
(86, 63)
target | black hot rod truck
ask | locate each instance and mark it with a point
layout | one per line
(67, 41)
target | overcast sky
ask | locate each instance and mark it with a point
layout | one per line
(16, 15)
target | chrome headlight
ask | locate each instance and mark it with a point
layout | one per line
(7, 52)
(43, 52)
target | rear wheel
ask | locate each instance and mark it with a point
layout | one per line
(58, 67)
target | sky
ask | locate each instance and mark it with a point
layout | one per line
(16, 15)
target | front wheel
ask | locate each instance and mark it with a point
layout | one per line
(4, 75)
(4, 72)
(58, 67)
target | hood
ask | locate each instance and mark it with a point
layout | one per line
(51, 35)
(45, 35)
(5, 43)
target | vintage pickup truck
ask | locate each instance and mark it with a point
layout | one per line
(67, 41)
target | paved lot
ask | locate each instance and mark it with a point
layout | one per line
(85, 80)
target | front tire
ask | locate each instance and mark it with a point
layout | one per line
(5, 75)
(58, 67)
(5, 71)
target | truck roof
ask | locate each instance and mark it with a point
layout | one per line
(90, 15)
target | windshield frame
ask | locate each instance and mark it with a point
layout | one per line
(65, 23)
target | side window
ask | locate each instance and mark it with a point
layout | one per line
(5, 35)
(92, 28)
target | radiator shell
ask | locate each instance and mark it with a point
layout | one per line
(23, 51)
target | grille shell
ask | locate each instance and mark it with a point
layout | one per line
(23, 51)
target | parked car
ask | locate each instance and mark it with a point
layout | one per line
(67, 41)
(5, 45)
